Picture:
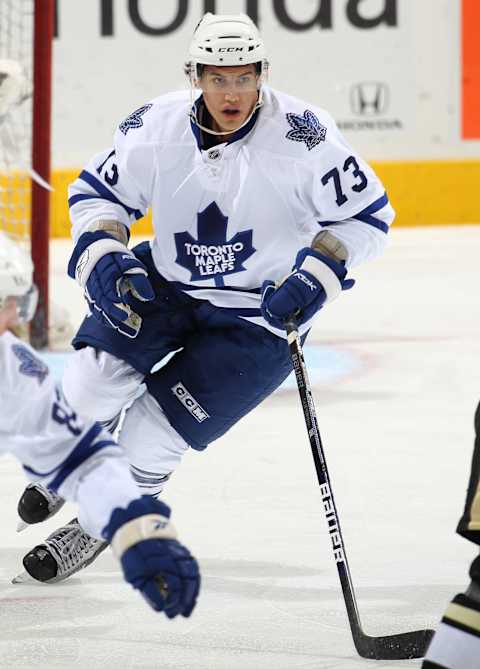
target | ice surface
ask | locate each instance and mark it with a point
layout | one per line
(396, 370)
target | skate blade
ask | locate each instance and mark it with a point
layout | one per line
(23, 577)
(21, 525)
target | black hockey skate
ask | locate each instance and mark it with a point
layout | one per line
(64, 552)
(36, 504)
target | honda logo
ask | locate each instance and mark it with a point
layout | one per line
(369, 98)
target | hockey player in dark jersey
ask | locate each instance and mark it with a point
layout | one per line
(456, 644)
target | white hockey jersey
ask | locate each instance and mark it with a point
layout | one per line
(229, 217)
(74, 457)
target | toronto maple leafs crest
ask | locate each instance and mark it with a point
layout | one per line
(306, 128)
(30, 365)
(134, 120)
(212, 255)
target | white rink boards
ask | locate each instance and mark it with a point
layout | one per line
(395, 411)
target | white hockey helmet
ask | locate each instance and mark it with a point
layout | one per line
(225, 40)
(16, 277)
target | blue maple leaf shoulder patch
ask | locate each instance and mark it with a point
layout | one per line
(30, 365)
(135, 120)
(306, 128)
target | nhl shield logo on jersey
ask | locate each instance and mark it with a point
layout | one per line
(306, 128)
(30, 365)
(134, 120)
(212, 256)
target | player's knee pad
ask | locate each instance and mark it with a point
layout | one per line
(153, 448)
(98, 385)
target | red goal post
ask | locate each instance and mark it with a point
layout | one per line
(26, 35)
(41, 151)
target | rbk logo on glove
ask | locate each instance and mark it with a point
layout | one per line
(306, 281)
(315, 280)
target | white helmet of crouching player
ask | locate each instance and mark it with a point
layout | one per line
(16, 279)
(226, 41)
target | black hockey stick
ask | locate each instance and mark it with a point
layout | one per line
(395, 646)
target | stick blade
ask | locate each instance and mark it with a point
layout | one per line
(406, 646)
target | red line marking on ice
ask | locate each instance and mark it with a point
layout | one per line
(10, 600)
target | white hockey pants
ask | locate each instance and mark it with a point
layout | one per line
(99, 386)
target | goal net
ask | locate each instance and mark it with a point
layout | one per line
(26, 31)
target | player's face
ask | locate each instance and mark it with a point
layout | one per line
(230, 94)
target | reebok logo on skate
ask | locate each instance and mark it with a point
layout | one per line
(189, 402)
(306, 281)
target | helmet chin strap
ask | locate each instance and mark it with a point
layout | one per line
(193, 113)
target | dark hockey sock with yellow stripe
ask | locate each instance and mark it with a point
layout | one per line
(456, 644)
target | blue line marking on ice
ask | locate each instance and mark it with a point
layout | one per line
(325, 365)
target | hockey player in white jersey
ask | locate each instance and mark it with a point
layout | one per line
(260, 210)
(80, 461)
(456, 644)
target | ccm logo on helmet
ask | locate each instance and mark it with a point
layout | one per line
(230, 49)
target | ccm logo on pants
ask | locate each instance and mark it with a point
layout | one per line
(190, 404)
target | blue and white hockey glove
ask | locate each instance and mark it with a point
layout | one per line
(314, 280)
(153, 561)
(110, 275)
